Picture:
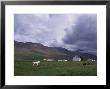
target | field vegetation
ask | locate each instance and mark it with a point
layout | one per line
(54, 68)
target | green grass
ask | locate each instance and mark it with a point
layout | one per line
(25, 54)
(25, 68)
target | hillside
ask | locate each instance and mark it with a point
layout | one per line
(31, 51)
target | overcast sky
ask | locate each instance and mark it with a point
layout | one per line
(70, 31)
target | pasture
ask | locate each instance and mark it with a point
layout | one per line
(54, 68)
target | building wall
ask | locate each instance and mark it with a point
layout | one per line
(76, 59)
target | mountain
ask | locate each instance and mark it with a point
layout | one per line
(29, 51)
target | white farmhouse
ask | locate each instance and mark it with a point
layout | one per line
(76, 58)
(50, 59)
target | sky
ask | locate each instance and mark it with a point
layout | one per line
(74, 32)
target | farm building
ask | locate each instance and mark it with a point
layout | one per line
(76, 58)
(90, 60)
(48, 59)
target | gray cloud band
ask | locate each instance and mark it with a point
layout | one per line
(71, 31)
(83, 34)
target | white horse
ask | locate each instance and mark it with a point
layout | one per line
(37, 63)
(93, 60)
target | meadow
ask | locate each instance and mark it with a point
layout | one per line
(54, 68)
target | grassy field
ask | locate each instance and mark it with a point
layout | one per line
(69, 68)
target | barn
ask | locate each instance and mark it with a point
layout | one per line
(50, 60)
(76, 58)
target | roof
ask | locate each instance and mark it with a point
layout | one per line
(76, 56)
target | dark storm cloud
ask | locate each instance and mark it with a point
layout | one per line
(70, 31)
(83, 34)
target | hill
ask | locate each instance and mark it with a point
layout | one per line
(31, 51)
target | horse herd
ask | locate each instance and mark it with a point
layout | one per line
(38, 62)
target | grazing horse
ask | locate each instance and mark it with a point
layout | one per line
(88, 63)
(84, 64)
(37, 62)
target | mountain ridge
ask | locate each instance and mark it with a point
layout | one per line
(37, 50)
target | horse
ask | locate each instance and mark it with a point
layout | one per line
(37, 63)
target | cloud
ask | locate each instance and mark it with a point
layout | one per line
(84, 34)
(30, 27)
(71, 31)
(41, 28)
